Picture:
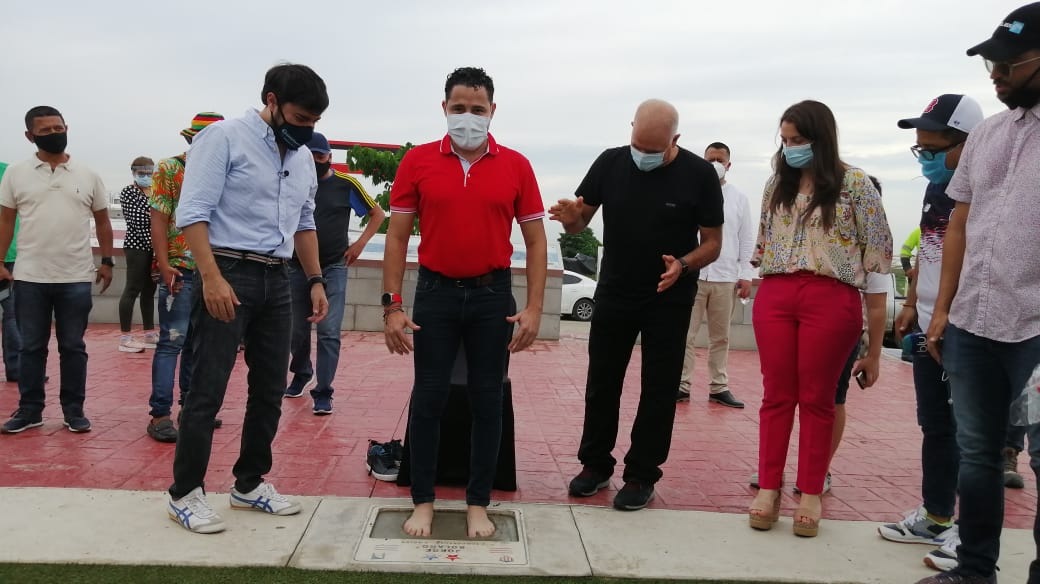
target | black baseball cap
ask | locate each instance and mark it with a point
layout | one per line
(949, 111)
(1019, 33)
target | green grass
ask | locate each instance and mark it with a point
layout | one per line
(93, 574)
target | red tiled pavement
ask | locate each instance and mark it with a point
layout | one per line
(714, 449)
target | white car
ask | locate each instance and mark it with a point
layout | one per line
(576, 299)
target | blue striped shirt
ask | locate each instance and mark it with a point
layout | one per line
(236, 181)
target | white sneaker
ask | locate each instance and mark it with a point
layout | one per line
(192, 512)
(264, 498)
(916, 527)
(127, 344)
(150, 339)
(944, 558)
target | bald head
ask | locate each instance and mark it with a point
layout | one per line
(655, 127)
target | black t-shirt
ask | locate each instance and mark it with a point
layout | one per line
(647, 215)
(336, 197)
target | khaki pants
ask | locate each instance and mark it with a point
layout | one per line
(714, 300)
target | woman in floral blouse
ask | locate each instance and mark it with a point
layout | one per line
(822, 229)
(137, 249)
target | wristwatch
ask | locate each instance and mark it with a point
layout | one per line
(685, 266)
(391, 298)
(317, 280)
(107, 261)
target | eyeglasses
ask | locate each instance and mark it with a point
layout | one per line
(1003, 68)
(930, 153)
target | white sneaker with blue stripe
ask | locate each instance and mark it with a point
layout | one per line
(264, 498)
(193, 513)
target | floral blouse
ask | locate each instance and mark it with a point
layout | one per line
(859, 242)
(166, 193)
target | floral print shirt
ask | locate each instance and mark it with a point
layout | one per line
(166, 193)
(859, 242)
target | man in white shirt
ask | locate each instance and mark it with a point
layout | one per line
(728, 277)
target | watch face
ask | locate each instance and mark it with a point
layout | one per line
(387, 299)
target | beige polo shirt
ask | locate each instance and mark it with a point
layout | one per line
(55, 209)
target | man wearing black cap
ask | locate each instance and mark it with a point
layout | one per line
(986, 325)
(338, 193)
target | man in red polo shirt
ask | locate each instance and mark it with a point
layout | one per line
(466, 190)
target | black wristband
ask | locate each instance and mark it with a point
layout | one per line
(317, 280)
(107, 261)
(685, 266)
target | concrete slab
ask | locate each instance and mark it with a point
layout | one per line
(131, 527)
(336, 532)
(714, 546)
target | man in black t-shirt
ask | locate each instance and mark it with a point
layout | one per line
(338, 194)
(656, 199)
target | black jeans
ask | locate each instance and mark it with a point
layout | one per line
(138, 282)
(69, 305)
(612, 336)
(263, 319)
(476, 317)
(940, 456)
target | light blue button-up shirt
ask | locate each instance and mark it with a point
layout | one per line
(236, 181)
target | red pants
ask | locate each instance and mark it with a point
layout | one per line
(805, 325)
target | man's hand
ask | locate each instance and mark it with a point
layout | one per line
(934, 335)
(870, 366)
(529, 320)
(905, 322)
(104, 277)
(397, 340)
(743, 289)
(5, 274)
(220, 298)
(319, 303)
(353, 253)
(169, 275)
(672, 271)
(567, 211)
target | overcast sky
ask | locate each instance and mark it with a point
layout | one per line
(568, 75)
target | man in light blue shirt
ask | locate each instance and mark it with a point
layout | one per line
(246, 203)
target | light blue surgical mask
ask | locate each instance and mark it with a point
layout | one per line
(143, 181)
(646, 162)
(935, 169)
(798, 156)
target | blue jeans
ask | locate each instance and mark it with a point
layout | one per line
(263, 319)
(940, 456)
(69, 305)
(986, 376)
(328, 329)
(12, 341)
(174, 341)
(476, 317)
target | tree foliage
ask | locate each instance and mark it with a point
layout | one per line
(583, 242)
(381, 168)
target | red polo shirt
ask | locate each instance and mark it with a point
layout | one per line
(466, 218)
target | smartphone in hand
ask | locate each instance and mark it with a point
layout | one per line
(861, 379)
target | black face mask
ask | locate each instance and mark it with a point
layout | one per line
(52, 143)
(291, 135)
(322, 168)
(1023, 96)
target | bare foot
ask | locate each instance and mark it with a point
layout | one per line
(477, 522)
(420, 522)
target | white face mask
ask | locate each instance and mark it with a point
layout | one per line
(468, 131)
(720, 169)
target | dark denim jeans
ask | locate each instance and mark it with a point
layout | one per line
(327, 357)
(69, 305)
(263, 319)
(476, 317)
(940, 456)
(615, 325)
(12, 340)
(986, 376)
(174, 342)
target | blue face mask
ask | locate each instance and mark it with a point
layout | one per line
(935, 169)
(798, 156)
(143, 181)
(646, 162)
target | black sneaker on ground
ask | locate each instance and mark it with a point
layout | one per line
(77, 424)
(725, 398)
(296, 386)
(634, 496)
(958, 578)
(1012, 479)
(162, 430)
(20, 421)
(380, 462)
(396, 450)
(588, 483)
(681, 396)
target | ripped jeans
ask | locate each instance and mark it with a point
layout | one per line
(173, 334)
